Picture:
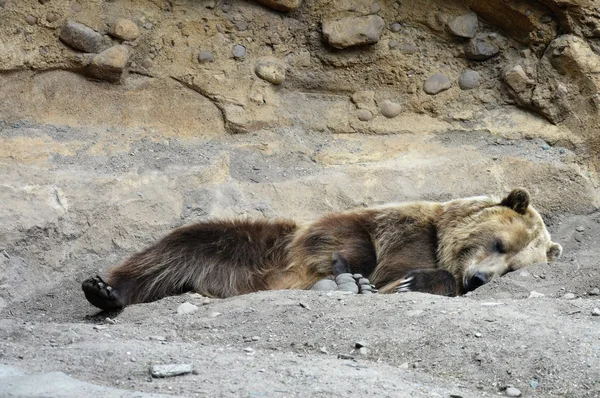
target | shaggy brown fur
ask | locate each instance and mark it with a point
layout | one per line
(441, 248)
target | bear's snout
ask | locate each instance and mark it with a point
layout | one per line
(478, 279)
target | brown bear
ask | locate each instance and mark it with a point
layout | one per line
(442, 248)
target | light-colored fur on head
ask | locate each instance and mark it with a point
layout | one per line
(482, 238)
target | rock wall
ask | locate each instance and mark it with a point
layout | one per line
(122, 119)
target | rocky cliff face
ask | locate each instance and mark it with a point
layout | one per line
(120, 120)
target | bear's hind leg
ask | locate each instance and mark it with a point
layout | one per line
(100, 294)
(433, 281)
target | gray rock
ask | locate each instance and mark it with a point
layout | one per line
(396, 27)
(270, 71)
(390, 109)
(353, 31)
(239, 51)
(124, 29)
(187, 308)
(364, 351)
(464, 25)
(52, 17)
(469, 79)
(81, 37)
(206, 56)
(364, 115)
(481, 47)
(241, 26)
(513, 392)
(580, 228)
(393, 44)
(31, 20)
(344, 278)
(595, 292)
(325, 285)
(110, 64)
(170, 370)
(436, 84)
(596, 311)
(569, 296)
(348, 287)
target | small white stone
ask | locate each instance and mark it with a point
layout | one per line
(513, 392)
(596, 312)
(186, 308)
(170, 370)
(534, 294)
(569, 296)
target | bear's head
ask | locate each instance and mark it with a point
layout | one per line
(482, 238)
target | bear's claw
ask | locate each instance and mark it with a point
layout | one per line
(100, 294)
(405, 285)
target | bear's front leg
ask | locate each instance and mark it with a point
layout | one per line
(433, 281)
(343, 279)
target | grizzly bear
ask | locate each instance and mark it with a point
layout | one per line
(442, 248)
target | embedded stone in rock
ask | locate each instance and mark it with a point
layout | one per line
(436, 84)
(110, 64)
(469, 79)
(353, 31)
(239, 51)
(364, 115)
(390, 109)
(270, 71)
(464, 25)
(124, 29)
(31, 20)
(281, 5)
(81, 37)
(481, 47)
(52, 17)
(517, 79)
(206, 56)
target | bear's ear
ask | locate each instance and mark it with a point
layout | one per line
(554, 251)
(518, 200)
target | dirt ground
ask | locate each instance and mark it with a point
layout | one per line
(92, 171)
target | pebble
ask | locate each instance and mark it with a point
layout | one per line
(241, 26)
(364, 115)
(478, 335)
(52, 17)
(157, 338)
(436, 84)
(282, 5)
(595, 292)
(273, 72)
(344, 278)
(517, 79)
(396, 27)
(534, 294)
(76, 7)
(170, 370)
(124, 29)
(569, 296)
(187, 308)
(214, 314)
(206, 56)
(464, 25)
(481, 47)
(469, 79)
(353, 31)
(546, 147)
(403, 365)
(249, 349)
(324, 350)
(348, 287)
(596, 311)
(81, 37)
(390, 109)
(239, 51)
(364, 351)
(513, 392)
(31, 20)
(147, 63)
(581, 228)
(393, 43)
(325, 285)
